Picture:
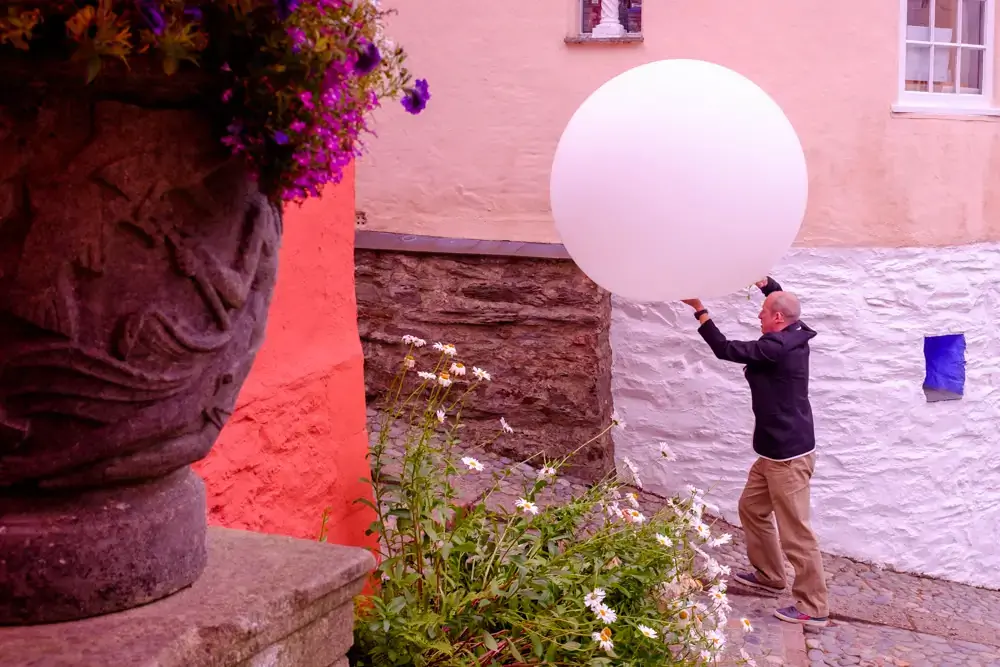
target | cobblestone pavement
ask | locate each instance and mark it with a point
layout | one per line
(847, 644)
(880, 617)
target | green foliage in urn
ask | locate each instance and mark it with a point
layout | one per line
(298, 79)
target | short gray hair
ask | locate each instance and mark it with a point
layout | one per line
(788, 305)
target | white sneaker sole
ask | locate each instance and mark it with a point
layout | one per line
(813, 623)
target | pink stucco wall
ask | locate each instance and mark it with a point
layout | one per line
(297, 442)
(504, 85)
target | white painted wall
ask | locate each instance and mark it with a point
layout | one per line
(899, 481)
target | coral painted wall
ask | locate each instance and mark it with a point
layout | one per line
(297, 441)
(507, 84)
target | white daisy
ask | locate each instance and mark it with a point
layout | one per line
(505, 426)
(414, 341)
(617, 420)
(526, 506)
(594, 598)
(634, 516)
(446, 348)
(481, 374)
(648, 631)
(409, 362)
(747, 627)
(457, 368)
(716, 639)
(424, 375)
(473, 464)
(632, 499)
(664, 540)
(725, 538)
(666, 453)
(547, 472)
(703, 531)
(440, 416)
(632, 472)
(747, 659)
(705, 656)
(605, 613)
(604, 639)
(444, 380)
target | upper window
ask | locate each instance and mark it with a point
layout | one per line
(610, 18)
(948, 53)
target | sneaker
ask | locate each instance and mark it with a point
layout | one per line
(793, 615)
(750, 579)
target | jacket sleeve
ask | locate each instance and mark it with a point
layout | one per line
(764, 350)
(771, 286)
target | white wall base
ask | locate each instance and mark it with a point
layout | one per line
(899, 481)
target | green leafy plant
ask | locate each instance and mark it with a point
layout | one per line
(469, 581)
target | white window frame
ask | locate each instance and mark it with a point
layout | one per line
(949, 103)
(579, 10)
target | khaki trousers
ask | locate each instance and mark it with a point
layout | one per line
(781, 488)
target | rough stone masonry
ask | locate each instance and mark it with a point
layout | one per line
(539, 326)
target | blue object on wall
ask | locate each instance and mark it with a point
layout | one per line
(944, 357)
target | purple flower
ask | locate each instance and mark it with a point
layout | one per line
(297, 126)
(151, 15)
(307, 99)
(298, 37)
(227, 95)
(193, 13)
(368, 59)
(280, 138)
(415, 99)
(287, 7)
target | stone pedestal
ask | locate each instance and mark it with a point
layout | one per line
(262, 601)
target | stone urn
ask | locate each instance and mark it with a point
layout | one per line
(137, 260)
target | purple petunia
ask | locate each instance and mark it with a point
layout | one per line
(368, 59)
(298, 37)
(415, 99)
(151, 15)
(280, 138)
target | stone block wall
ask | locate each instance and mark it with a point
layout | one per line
(537, 324)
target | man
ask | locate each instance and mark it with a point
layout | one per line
(777, 369)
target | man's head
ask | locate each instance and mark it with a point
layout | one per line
(780, 309)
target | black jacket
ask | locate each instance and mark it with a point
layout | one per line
(777, 369)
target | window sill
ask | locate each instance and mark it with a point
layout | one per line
(629, 38)
(917, 110)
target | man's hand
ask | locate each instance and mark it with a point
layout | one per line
(694, 303)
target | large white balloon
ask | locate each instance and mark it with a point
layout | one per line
(678, 179)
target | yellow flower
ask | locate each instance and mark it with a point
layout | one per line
(16, 28)
(99, 32)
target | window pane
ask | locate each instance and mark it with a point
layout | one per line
(591, 15)
(918, 65)
(971, 71)
(918, 13)
(633, 20)
(944, 22)
(945, 61)
(973, 20)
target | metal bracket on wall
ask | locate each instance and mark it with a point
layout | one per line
(416, 243)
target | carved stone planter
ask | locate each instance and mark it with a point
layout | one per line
(137, 261)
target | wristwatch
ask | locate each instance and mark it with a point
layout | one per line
(699, 313)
